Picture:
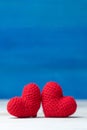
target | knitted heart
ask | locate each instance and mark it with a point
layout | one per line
(54, 103)
(28, 104)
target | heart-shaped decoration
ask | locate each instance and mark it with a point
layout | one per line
(28, 104)
(54, 103)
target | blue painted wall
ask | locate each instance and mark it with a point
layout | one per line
(42, 41)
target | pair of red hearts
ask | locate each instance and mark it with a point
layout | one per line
(53, 102)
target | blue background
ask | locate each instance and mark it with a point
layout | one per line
(43, 40)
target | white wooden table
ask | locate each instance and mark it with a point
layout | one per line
(78, 121)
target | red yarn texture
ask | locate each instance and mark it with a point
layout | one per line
(28, 104)
(54, 103)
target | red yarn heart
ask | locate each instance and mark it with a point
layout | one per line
(54, 103)
(28, 104)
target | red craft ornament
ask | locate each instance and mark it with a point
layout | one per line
(28, 104)
(54, 103)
